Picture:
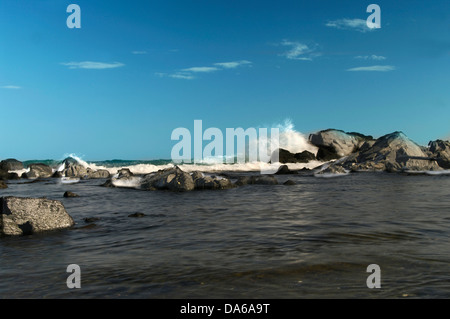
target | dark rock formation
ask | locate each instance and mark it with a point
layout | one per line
(213, 182)
(38, 170)
(3, 185)
(289, 183)
(440, 150)
(334, 144)
(287, 157)
(173, 179)
(11, 165)
(252, 180)
(284, 170)
(24, 216)
(137, 215)
(70, 194)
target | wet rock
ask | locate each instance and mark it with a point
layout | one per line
(289, 182)
(333, 169)
(3, 185)
(124, 172)
(25, 216)
(213, 182)
(287, 157)
(38, 170)
(284, 170)
(11, 165)
(3, 175)
(101, 173)
(173, 179)
(440, 150)
(75, 170)
(70, 194)
(252, 180)
(334, 144)
(137, 215)
(91, 219)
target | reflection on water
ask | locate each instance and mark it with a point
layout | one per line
(311, 240)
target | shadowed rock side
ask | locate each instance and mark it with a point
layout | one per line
(441, 151)
(25, 216)
(334, 144)
(11, 165)
(38, 170)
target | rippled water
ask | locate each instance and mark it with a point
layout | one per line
(311, 240)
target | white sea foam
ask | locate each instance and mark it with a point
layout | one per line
(132, 182)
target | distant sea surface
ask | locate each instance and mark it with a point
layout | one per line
(314, 239)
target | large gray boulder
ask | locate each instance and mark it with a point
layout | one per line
(38, 170)
(440, 150)
(25, 216)
(173, 179)
(11, 165)
(75, 170)
(393, 152)
(334, 144)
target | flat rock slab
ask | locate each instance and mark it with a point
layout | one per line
(25, 216)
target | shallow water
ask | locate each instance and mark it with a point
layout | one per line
(311, 240)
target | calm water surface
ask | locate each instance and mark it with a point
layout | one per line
(311, 240)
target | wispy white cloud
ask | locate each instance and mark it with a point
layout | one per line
(201, 69)
(373, 68)
(11, 87)
(298, 51)
(187, 74)
(179, 75)
(93, 65)
(371, 57)
(139, 52)
(350, 24)
(232, 65)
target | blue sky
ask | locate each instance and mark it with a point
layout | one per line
(136, 70)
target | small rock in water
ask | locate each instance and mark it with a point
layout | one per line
(3, 185)
(91, 219)
(289, 182)
(137, 215)
(70, 194)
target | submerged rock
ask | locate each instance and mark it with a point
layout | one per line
(70, 194)
(137, 215)
(3, 185)
(289, 182)
(25, 216)
(252, 180)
